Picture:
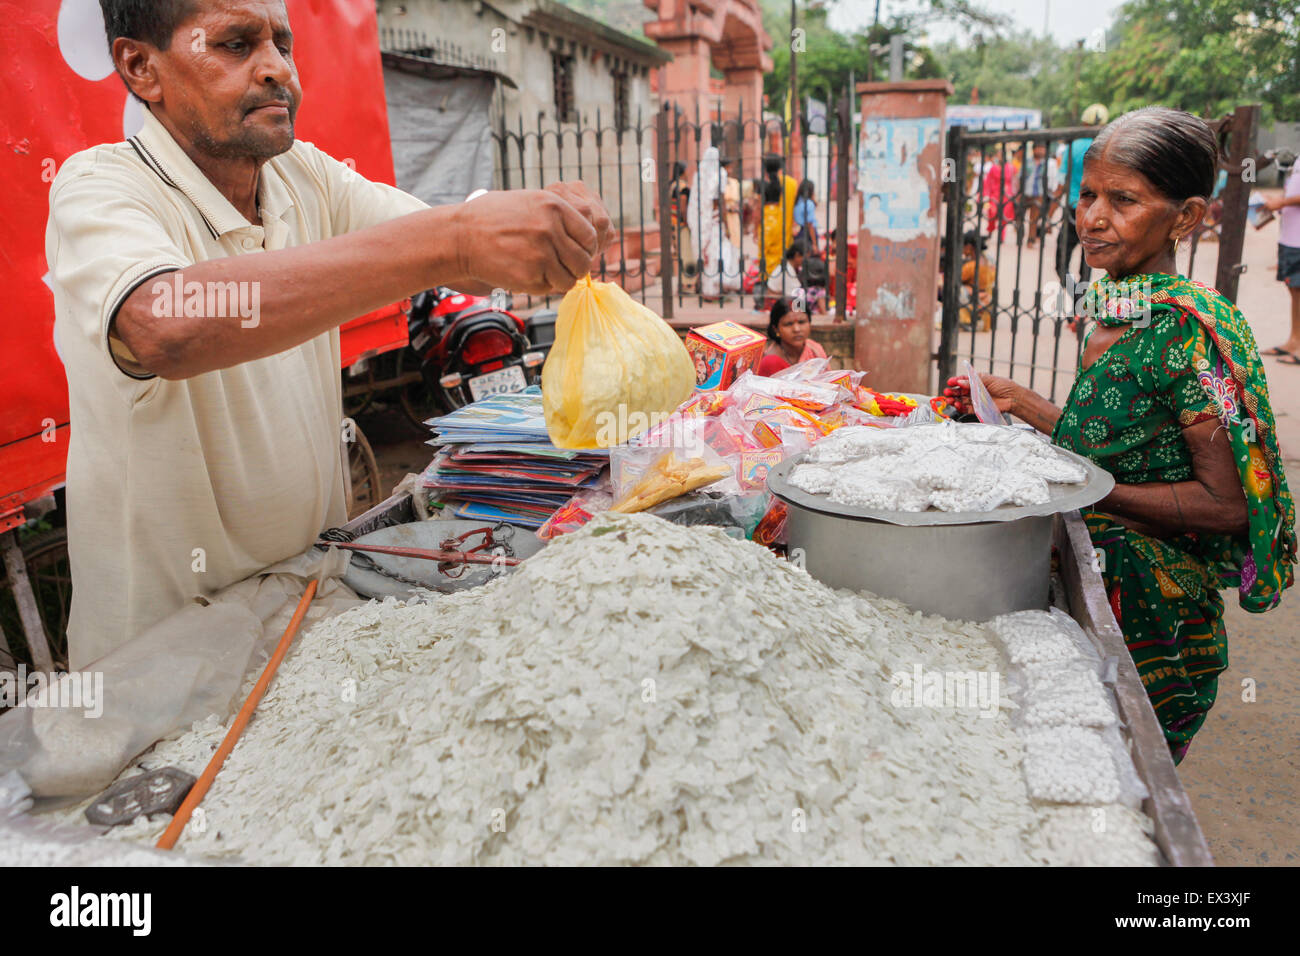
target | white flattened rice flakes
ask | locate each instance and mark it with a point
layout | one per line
(1110, 835)
(637, 693)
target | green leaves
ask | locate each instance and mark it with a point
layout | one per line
(1019, 69)
(1204, 56)
(830, 58)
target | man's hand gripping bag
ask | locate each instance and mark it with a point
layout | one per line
(615, 369)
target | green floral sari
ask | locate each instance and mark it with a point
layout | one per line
(1187, 356)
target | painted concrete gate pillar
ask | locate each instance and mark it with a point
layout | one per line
(900, 167)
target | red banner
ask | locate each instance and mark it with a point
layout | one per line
(59, 95)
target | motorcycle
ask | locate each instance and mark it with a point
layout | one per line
(470, 347)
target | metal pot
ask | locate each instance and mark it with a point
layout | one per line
(969, 572)
(964, 566)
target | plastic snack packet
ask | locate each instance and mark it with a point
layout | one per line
(669, 477)
(980, 399)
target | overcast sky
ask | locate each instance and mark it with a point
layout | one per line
(1068, 20)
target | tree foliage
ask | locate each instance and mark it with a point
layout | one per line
(1019, 69)
(828, 58)
(1204, 56)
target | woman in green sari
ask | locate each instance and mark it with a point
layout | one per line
(1170, 398)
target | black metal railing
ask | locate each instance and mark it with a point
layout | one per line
(991, 199)
(1024, 326)
(644, 171)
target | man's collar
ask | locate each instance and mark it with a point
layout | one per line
(165, 156)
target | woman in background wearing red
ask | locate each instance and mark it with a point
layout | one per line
(789, 339)
(999, 190)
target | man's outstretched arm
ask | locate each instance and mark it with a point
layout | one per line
(534, 241)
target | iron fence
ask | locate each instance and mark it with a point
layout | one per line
(1006, 288)
(728, 250)
(719, 249)
(1006, 308)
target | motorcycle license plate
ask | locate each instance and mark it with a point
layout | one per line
(497, 383)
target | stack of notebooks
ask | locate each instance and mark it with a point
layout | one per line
(496, 462)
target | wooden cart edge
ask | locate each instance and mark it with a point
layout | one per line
(1177, 832)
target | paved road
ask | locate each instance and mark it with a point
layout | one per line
(1243, 769)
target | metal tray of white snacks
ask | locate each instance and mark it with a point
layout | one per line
(1097, 484)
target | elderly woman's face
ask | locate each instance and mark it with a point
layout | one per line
(1126, 226)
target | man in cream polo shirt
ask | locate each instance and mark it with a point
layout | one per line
(206, 426)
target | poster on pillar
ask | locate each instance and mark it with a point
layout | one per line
(896, 195)
(900, 164)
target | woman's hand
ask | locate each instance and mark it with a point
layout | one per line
(1009, 398)
(1004, 392)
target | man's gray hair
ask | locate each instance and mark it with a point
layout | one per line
(153, 21)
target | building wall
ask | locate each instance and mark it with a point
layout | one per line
(547, 151)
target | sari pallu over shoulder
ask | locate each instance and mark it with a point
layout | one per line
(1261, 562)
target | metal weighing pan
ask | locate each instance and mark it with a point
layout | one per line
(422, 575)
(968, 566)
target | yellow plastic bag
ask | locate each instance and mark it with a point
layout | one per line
(615, 369)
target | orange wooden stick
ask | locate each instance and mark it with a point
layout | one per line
(201, 786)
